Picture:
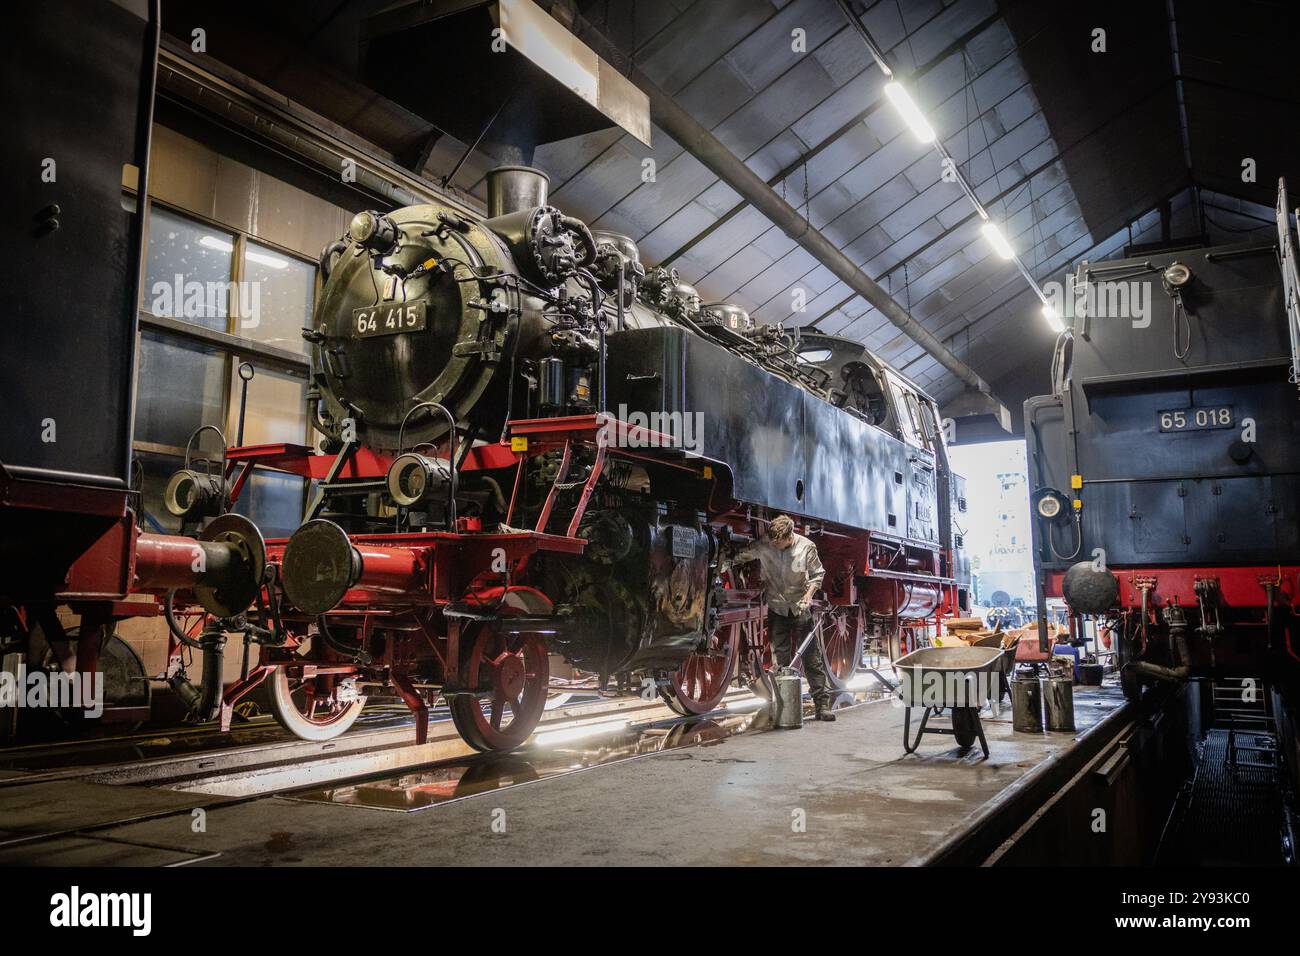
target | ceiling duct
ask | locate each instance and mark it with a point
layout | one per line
(533, 81)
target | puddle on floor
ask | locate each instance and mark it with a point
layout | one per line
(599, 742)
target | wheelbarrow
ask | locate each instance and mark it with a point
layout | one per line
(957, 678)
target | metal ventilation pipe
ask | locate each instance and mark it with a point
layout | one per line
(513, 188)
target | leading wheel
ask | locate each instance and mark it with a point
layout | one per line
(313, 708)
(505, 676)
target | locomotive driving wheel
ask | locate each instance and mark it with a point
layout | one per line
(840, 634)
(316, 707)
(506, 675)
(700, 683)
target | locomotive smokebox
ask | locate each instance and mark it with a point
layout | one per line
(515, 188)
(1089, 589)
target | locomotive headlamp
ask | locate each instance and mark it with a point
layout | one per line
(1176, 276)
(194, 494)
(1051, 505)
(414, 478)
(373, 231)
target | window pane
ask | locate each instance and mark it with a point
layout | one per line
(281, 292)
(273, 502)
(201, 256)
(277, 407)
(179, 388)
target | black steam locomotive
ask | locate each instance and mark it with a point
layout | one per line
(1165, 468)
(598, 404)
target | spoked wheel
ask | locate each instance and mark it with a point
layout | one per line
(699, 685)
(754, 652)
(313, 708)
(506, 676)
(125, 683)
(840, 635)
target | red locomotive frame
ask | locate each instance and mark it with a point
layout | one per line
(1250, 591)
(461, 614)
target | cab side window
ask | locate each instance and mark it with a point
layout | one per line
(908, 425)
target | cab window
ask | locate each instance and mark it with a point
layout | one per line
(908, 425)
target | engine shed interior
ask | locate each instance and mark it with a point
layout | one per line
(453, 395)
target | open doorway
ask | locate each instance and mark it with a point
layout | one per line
(997, 538)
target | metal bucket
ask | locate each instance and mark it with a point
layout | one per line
(1027, 705)
(1058, 696)
(787, 702)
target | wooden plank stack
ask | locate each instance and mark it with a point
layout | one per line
(965, 630)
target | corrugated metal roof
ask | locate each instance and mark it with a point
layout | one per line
(1069, 149)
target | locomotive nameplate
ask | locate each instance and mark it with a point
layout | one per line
(1195, 419)
(389, 318)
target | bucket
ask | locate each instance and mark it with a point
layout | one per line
(788, 700)
(1058, 696)
(1027, 705)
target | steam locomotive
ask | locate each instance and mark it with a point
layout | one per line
(1165, 468)
(535, 445)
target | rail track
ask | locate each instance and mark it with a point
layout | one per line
(279, 765)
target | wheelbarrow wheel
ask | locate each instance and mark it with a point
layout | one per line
(964, 726)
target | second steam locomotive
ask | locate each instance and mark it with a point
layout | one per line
(1165, 466)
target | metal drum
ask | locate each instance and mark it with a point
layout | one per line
(787, 702)
(1058, 695)
(1027, 705)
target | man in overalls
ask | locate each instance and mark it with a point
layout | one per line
(792, 573)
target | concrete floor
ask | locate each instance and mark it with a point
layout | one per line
(842, 793)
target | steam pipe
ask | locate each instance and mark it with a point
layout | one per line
(1177, 637)
(622, 291)
(213, 685)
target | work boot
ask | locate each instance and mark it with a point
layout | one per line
(823, 712)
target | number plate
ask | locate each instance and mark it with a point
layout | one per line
(1195, 419)
(389, 318)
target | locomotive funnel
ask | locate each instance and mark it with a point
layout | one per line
(514, 188)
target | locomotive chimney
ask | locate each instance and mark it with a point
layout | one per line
(512, 188)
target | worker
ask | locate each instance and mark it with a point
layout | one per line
(792, 573)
